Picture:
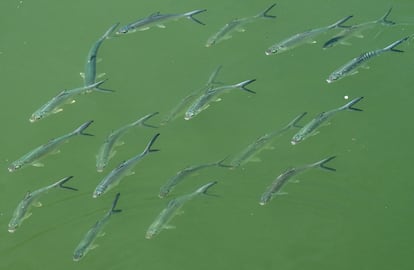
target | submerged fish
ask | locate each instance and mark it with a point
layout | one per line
(189, 98)
(300, 38)
(260, 143)
(90, 67)
(158, 19)
(123, 169)
(356, 30)
(282, 179)
(162, 220)
(106, 151)
(51, 146)
(351, 67)
(86, 243)
(32, 199)
(173, 181)
(310, 128)
(203, 101)
(65, 97)
(236, 25)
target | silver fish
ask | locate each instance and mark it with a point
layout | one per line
(90, 67)
(51, 146)
(106, 151)
(203, 101)
(32, 199)
(86, 243)
(158, 19)
(351, 67)
(162, 220)
(123, 169)
(173, 181)
(236, 25)
(55, 105)
(190, 97)
(356, 30)
(260, 143)
(309, 128)
(306, 36)
(282, 179)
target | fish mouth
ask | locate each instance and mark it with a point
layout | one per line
(12, 230)
(294, 142)
(329, 80)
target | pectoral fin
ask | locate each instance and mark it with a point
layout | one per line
(160, 26)
(37, 204)
(38, 164)
(169, 227)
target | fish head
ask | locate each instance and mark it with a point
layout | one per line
(78, 255)
(275, 49)
(15, 166)
(36, 117)
(188, 115)
(97, 193)
(13, 225)
(333, 77)
(150, 234)
(296, 139)
(122, 31)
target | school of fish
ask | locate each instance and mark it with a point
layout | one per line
(192, 105)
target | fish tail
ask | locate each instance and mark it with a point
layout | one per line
(110, 31)
(322, 163)
(64, 180)
(349, 105)
(384, 19)
(264, 14)
(96, 87)
(113, 210)
(84, 126)
(242, 86)
(294, 122)
(340, 22)
(148, 149)
(204, 188)
(142, 120)
(190, 15)
(395, 44)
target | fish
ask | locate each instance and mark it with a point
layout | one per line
(123, 169)
(51, 146)
(55, 105)
(236, 25)
(306, 36)
(260, 143)
(173, 207)
(106, 151)
(203, 101)
(350, 68)
(310, 128)
(89, 76)
(173, 181)
(158, 19)
(21, 212)
(190, 97)
(281, 180)
(356, 30)
(87, 242)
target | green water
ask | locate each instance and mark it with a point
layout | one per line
(357, 217)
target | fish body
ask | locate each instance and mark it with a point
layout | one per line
(162, 220)
(51, 146)
(158, 19)
(55, 105)
(173, 181)
(86, 243)
(190, 97)
(300, 38)
(310, 127)
(203, 101)
(236, 25)
(123, 169)
(106, 151)
(31, 198)
(90, 66)
(351, 67)
(260, 143)
(282, 179)
(357, 30)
